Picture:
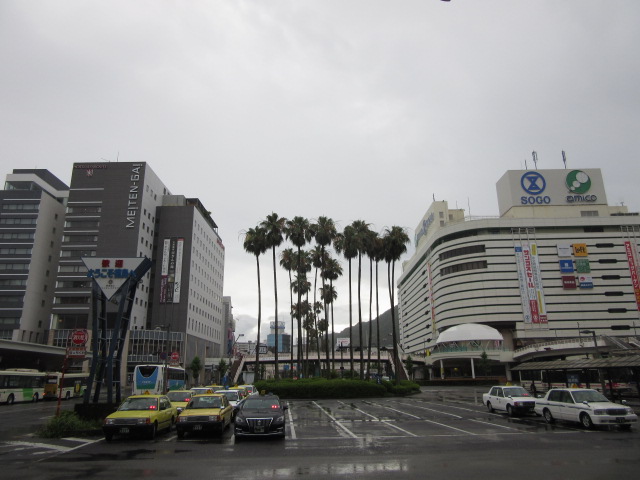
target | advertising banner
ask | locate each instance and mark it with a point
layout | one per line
(522, 282)
(633, 268)
(178, 270)
(582, 265)
(566, 266)
(531, 292)
(569, 282)
(585, 281)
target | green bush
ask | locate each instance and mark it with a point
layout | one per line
(405, 387)
(67, 423)
(321, 388)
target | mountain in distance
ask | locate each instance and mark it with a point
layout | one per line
(386, 338)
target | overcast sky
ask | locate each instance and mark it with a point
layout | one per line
(356, 110)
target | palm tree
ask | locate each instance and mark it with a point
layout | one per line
(301, 286)
(273, 226)
(298, 231)
(287, 261)
(378, 254)
(360, 236)
(324, 231)
(395, 244)
(369, 248)
(255, 243)
(332, 272)
(346, 246)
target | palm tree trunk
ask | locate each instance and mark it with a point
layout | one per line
(275, 293)
(390, 276)
(377, 318)
(333, 333)
(299, 354)
(257, 372)
(360, 316)
(291, 337)
(370, 319)
(350, 325)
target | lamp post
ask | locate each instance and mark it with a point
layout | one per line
(167, 330)
(597, 355)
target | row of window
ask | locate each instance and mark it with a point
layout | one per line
(14, 266)
(13, 282)
(17, 235)
(18, 221)
(21, 206)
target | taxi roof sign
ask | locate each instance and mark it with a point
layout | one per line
(111, 273)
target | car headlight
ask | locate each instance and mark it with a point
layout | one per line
(599, 412)
(142, 421)
(239, 419)
(629, 411)
(279, 419)
(214, 418)
(109, 421)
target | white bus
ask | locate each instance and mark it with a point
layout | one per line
(21, 385)
(74, 385)
(151, 379)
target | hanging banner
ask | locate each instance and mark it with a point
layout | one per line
(522, 282)
(633, 268)
(537, 280)
(530, 280)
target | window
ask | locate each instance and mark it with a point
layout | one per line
(462, 251)
(462, 267)
(589, 213)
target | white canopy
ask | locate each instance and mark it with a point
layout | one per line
(469, 331)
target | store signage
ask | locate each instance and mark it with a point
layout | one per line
(564, 249)
(569, 282)
(132, 201)
(566, 266)
(580, 249)
(582, 265)
(111, 273)
(585, 281)
(633, 268)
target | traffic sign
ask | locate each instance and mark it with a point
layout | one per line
(175, 356)
(79, 337)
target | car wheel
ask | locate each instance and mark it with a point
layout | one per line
(108, 437)
(154, 430)
(490, 408)
(172, 423)
(586, 421)
(34, 399)
(10, 399)
(67, 396)
(510, 411)
(547, 416)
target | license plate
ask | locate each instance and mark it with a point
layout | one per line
(197, 427)
(259, 429)
(124, 430)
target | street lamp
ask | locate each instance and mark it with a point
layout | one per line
(167, 329)
(597, 355)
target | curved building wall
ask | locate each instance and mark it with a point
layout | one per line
(467, 272)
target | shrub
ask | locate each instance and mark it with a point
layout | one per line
(67, 423)
(321, 388)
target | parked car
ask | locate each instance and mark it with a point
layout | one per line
(514, 400)
(180, 398)
(260, 415)
(141, 414)
(584, 405)
(205, 413)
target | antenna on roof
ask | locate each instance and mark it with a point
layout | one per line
(535, 160)
(525, 164)
(564, 159)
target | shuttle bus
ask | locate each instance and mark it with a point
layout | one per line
(151, 379)
(74, 385)
(21, 385)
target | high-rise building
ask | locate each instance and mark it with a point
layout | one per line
(558, 259)
(123, 210)
(32, 207)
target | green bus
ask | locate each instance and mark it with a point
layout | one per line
(21, 385)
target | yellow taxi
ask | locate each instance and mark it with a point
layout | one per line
(146, 414)
(205, 413)
(180, 398)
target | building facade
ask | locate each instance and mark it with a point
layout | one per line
(32, 209)
(557, 261)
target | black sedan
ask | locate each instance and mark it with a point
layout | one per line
(260, 416)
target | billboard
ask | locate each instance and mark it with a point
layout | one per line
(531, 293)
(171, 270)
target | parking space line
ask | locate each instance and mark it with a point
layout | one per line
(291, 426)
(493, 424)
(361, 411)
(401, 429)
(349, 432)
(431, 409)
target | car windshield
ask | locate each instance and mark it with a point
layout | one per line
(139, 404)
(205, 402)
(179, 396)
(261, 404)
(515, 392)
(588, 396)
(231, 396)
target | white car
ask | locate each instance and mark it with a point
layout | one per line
(586, 406)
(512, 399)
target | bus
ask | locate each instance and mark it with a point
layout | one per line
(21, 385)
(151, 379)
(74, 385)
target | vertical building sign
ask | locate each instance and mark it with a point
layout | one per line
(433, 308)
(633, 268)
(529, 278)
(164, 270)
(171, 270)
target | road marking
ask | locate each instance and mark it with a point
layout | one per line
(349, 432)
(361, 411)
(401, 429)
(494, 424)
(48, 446)
(291, 426)
(396, 410)
(431, 409)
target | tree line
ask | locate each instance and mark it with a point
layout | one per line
(313, 310)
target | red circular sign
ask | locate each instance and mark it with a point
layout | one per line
(79, 337)
(175, 356)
